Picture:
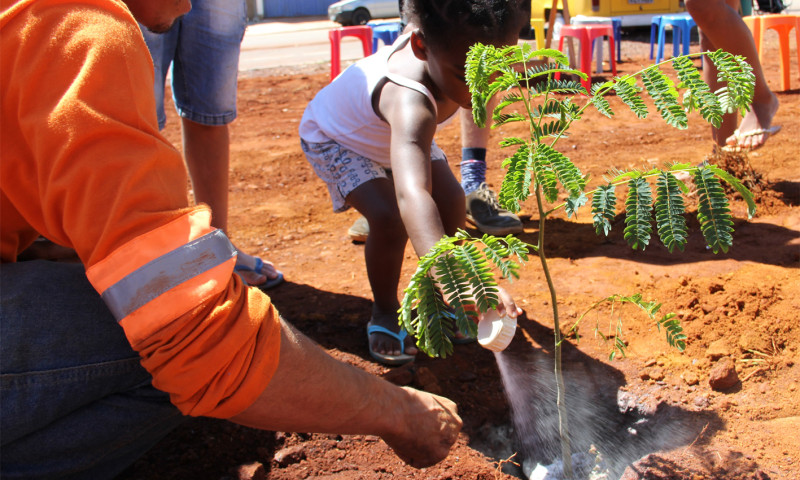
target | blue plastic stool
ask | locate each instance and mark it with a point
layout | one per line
(387, 32)
(681, 23)
(616, 23)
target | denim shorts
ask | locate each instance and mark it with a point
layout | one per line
(203, 48)
(74, 400)
(343, 170)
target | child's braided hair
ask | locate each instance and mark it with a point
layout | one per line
(484, 21)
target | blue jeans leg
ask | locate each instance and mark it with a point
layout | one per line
(75, 401)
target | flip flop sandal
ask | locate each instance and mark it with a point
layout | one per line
(270, 283)
(386, 359)
(750, 133)
(464, 338)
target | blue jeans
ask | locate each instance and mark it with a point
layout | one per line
(203, 48)
(74, 400)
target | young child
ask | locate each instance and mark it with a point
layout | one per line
(369, 136)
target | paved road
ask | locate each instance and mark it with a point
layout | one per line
(293, 41)
(285, 42)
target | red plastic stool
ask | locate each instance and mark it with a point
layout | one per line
(363, 32)
(783, 25)
(585, 35)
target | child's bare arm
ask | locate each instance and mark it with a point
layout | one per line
(413, 123)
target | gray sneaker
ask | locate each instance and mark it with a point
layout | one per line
(485, 212)
(359, 231)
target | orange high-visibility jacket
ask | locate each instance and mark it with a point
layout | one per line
(83, 164)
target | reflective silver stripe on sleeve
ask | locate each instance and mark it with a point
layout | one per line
(168, 271)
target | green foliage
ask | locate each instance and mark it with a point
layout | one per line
(672, 327)
(665, 97)
(604, 204)
(669, 212)
(529, 92)
(638, 208)
(461, 266)
(712, 211)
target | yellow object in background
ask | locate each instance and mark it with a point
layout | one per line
(633, 12)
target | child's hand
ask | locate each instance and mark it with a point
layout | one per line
(506, 306)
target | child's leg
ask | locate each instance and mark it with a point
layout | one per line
(383, 253)
(449, 197)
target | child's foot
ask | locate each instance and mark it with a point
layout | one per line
(256, 272)
(755, 129)
(384, 335)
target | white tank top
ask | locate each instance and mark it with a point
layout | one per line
(342, 111)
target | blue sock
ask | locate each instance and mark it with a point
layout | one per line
(473, 168)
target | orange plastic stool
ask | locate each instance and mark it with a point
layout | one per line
(783, 25)
(585, 35)
(363, 32)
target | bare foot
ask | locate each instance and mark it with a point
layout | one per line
(758, 119)
(385, 344)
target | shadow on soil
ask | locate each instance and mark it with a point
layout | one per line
(334, 320)
(602, 417)
(753, 241)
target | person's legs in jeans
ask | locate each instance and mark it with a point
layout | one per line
(203, 47)
(75, 401)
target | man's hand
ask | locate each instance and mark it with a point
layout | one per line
(426, 430)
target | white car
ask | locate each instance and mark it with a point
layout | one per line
(359, 12)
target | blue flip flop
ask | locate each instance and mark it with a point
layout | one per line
(453, 338)
(271, 282)
(391, 360)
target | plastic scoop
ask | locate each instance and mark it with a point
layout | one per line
(495, 332)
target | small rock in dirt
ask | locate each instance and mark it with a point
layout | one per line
(692, 302)
(701, 401)
(691, 378)
(657, 374)
(428, 381)
(290, 455)
(251, 471)
(723, 375)
(715, 287)
(753, 340)
(718, 349)
(725, 404)
(400, 376)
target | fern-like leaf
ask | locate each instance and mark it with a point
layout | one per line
(638, 208)
(475, 271)
(604, 205)
(738, 75)
(747, 196)
(574, 203)
(544, 174)
(674, 330)
(628, 92)
(698, 95)
(713, 211)
(602, 105)
(665, 97)
(517, 182)
(499, 254)
(567, 173)
(670, 208)
(565, 87)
